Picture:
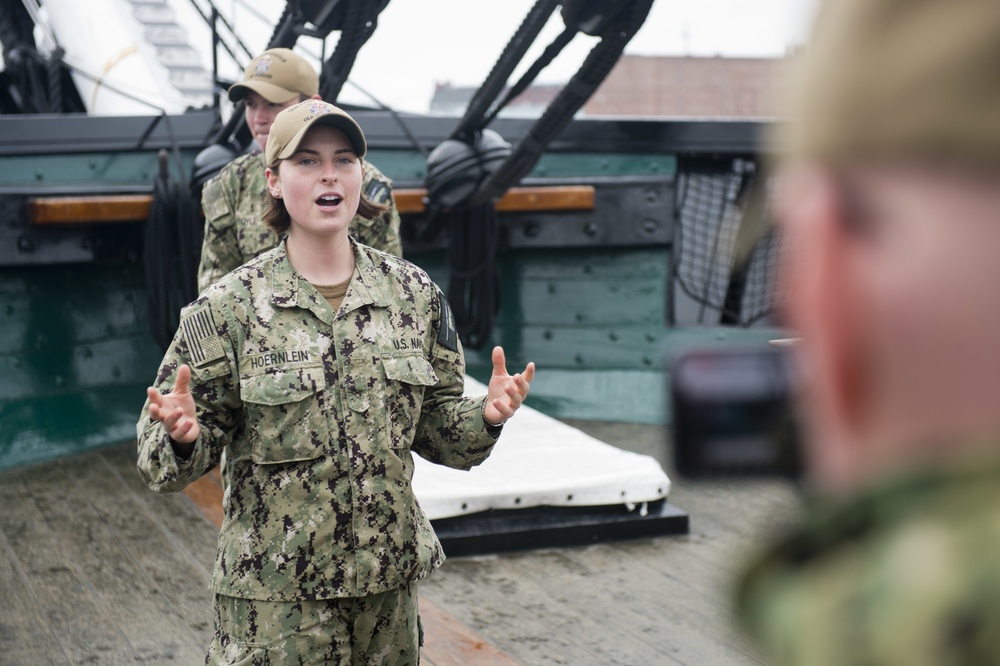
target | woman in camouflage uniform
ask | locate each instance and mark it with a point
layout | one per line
(318, 368)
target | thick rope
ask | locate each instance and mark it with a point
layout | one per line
(358, 27)
(543, 61)
(599, 62)
(172, 245)
(158, 256)
(511, 56)
(473, 285)
(54, 70)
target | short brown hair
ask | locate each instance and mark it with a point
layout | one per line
(278, 220)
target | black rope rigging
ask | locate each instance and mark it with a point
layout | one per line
(215, 15)
(513, 53)
(359, 24)
(32, 82)
(471, 169)
(172, 245)
(550, 53)
(474, 285)
(54, 70)
(356, 20)
(598, 64)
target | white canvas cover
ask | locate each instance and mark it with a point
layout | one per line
(540, 461)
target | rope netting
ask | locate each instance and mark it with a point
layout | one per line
(726, 251)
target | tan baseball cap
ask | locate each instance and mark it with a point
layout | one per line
(277, 75)
(892, 79)
(292, 124)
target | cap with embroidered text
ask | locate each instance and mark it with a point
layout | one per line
(278, 75)
(292, 124)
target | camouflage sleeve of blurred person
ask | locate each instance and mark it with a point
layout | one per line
(382, 233)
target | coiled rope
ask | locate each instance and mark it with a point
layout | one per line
(171, 247)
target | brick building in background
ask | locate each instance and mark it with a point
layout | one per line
(688, 87)
(656, 86)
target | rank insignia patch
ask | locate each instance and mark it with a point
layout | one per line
(447, 335)
(377, 192)
(203, 342)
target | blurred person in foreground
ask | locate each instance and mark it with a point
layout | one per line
(891, 213)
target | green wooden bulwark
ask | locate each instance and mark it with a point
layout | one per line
(591, 300)
(75, 357)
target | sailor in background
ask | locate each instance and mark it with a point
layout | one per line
(891, 212)
(234, 199)
(318, 398)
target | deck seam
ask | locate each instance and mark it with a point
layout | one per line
(29, 588)
(207, 497)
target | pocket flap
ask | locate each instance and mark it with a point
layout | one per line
(283, 386)
(410, 369)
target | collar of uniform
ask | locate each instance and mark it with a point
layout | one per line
(284, 280)
(368, 284)
(832, 527)
(257, 167)
(289, 289)
(911, 490)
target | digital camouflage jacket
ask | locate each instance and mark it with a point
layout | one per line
(905, 573)
(233, 203)
(318, 413)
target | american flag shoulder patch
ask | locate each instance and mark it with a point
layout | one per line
(203, 341)
(213, 202)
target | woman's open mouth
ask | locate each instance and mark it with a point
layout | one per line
(329, 201)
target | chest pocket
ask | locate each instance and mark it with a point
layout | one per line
(409, 369)
(254, 238)
(407, 377)
(285, 419)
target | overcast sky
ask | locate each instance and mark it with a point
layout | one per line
(421, 42)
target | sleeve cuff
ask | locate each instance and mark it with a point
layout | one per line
(492, 429)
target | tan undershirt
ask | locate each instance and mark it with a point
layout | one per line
(333, 293)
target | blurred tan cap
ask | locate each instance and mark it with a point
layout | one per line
(892, 79)
(292, 124)
(278, 75)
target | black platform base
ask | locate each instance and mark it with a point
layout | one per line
(506, 530)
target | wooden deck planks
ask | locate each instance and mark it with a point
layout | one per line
(448, 642)
(656, 601)
(24, 631)
(109, 585)
(98, 569)
(521, 603)
(175, 515)
(50, 545)
(165, 565)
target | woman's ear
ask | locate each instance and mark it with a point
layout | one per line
(273, 182)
